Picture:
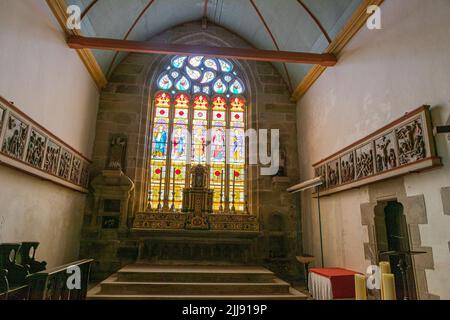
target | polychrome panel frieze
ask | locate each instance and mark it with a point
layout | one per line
(403, 146)
(29, 147)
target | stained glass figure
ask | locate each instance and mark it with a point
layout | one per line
(193, 74)
(195, 61)
(218, 145)
(165, 83)
(225, 65)
(212, 64)
(183, 84)
(237, 87)
(160, 141)
(178, 62)
(208, 76)
(220, 87)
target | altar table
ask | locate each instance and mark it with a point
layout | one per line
(332, 283)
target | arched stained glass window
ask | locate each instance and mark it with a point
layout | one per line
(199, 117)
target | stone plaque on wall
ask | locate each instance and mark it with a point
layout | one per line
(403, 146)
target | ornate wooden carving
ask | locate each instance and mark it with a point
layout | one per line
(29, 147)
(405, 145)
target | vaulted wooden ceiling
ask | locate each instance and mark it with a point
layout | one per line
(309, 26)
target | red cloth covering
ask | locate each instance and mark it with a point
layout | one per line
(342, 281)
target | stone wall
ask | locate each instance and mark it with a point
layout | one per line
(124, 108)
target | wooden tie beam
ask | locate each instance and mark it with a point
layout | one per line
(80, 42)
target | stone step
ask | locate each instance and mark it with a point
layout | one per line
(111, 286)
(145, 273)
(293, 294)
(146, 281)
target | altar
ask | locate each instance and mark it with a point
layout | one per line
(196, 213)
(196, 232)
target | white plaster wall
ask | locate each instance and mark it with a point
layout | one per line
(381, 75)
(48, 81)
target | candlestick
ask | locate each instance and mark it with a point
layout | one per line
(149, 200)
(360, 287)
(160, 190)
(233, 208)
(221, 192)
(246, 205)
(388, 281)
(173, 191)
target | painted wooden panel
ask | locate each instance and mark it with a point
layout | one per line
(403, 146)
(29, 147)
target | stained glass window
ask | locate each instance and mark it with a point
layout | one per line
(199, 117)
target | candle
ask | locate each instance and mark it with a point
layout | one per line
(388, 281)
(360, 287)
(385, 267)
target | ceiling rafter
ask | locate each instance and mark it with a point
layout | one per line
(135, 22)
(89, 7)
(266, 26)
(316, 20)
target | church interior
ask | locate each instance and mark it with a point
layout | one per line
(224, 150)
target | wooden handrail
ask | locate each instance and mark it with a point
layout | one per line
(52, 284)
(60, 269)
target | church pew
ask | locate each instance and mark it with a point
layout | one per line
(4, 285)
(54, 284)
(27, 257)
(17, 273)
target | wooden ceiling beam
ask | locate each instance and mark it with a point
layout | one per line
(323, 59)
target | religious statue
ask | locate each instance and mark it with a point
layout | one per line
(117, 152)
